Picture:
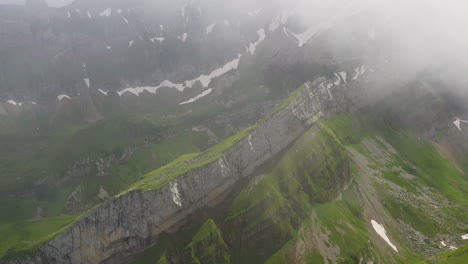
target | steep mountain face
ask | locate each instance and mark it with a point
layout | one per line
(74, 112)
(156, 132)
(340, 181)
(113, 45)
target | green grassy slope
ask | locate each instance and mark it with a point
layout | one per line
(459, 256)
(113, 137)
(313, 203)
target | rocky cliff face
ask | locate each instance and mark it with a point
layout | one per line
(133, 221)
(112, 45)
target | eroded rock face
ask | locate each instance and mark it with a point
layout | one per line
(122, 43)
(133, 221)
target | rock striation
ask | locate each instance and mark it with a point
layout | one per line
(133, 220)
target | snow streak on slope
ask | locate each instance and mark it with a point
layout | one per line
(303, 38)
(63, 96)
(175, 194)
(183, 37)
(279, 20)
(20, 103)
(103, 92)
(151, 89)
(124, 19)
(210, 28)
(107, 12)
(86, 80)
(458, 122)
(383, 234)
(359, 71)
(204, 79)
(196, 98)
(261, 37)
(338, 81)
(160, 40)
(343, 76)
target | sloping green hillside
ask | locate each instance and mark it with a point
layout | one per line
(315, 202)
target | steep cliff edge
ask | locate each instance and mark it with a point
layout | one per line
(348, 190)
(303, 184)
(164, 199)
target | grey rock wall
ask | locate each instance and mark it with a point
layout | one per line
(133, 221)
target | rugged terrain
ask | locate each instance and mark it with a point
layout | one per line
(147, 132)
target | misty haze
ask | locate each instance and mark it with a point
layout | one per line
(233, 131)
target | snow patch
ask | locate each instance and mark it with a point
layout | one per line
(383, 234)
(253, 46)
(279, 20)
(130, 43)
(89, 14)
(250, 143)
(103, 92)
(124, 19)
(182, 10)
(343, 76)
(464, 237)
(458, 122)
(359, 71)
(338, 81)
(329, 86)
(206, 79)
(196, 98)
(68, 14)
(453, 248)
(63, 96)
(107, 12)
(151, 89)
(210, 28)
(175, 193)
(222, 165)
(183, 37)
(442, 243)
(109, 47)
(303, 38)
(167, 83)
(160, 40)
(12, 102)
(86, 80)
